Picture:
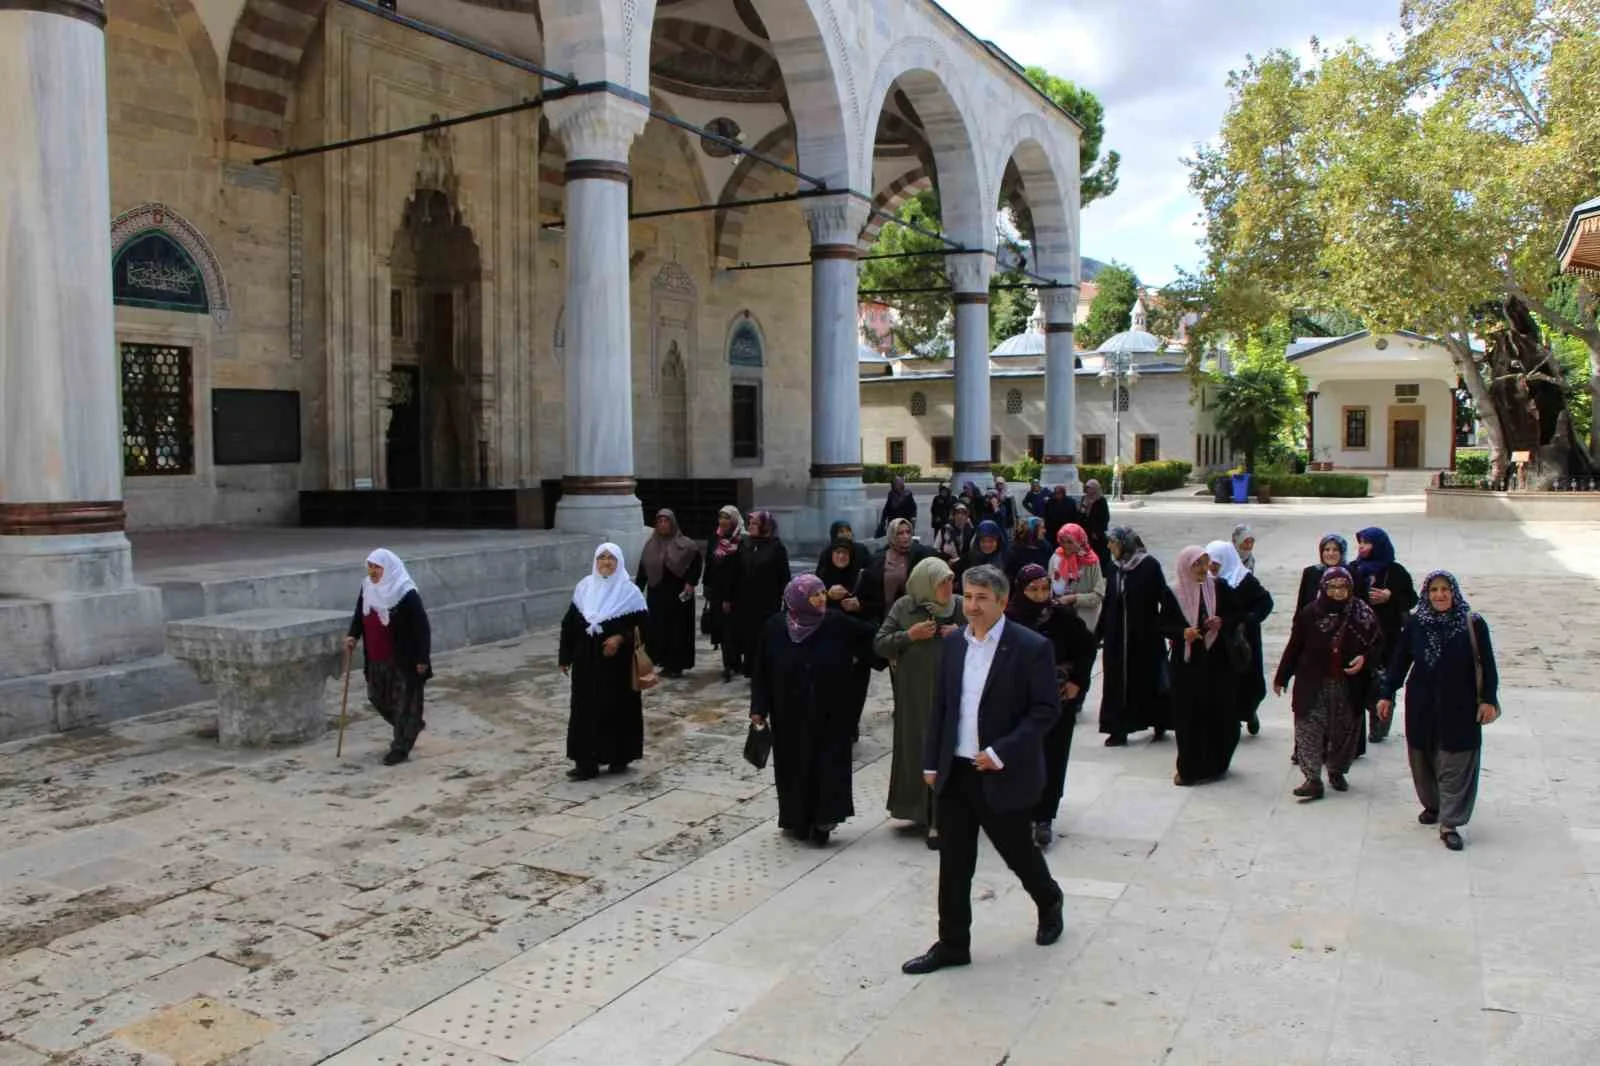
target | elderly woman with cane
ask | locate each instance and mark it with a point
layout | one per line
(391, 620)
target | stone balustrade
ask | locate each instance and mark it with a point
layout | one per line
(269, 667)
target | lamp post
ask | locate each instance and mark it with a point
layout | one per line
(1119, 373)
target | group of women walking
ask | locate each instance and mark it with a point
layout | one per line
(1180, 653)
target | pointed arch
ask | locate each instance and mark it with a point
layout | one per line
(1049, 187)
(155, 217)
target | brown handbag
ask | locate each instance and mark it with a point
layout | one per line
(1477, 663)
(644, 670)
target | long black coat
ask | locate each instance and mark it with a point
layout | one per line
(905, 507)
(1442, 700)
(606, 719)
(804, 691)
(670, 632)
(408, 627)
(1254, 605)
(1096, 521)
(760, 578)
(1062, 512)
(1204, 690)
(1137, 681)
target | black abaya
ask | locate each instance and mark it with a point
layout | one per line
(761, 576)
(606, 724)
(721, 581)
(1136, 681)
(1204, 702)
(669, 635)
(1254, 605)
(803, 691)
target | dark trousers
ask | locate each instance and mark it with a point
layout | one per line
(398, 699)
(962, 811)
(1057, 751)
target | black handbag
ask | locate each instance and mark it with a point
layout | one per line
(758, 746)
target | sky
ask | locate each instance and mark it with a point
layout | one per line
(1160, 67)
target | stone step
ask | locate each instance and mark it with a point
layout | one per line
(74, 699)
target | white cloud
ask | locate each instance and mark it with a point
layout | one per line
(1160, 67)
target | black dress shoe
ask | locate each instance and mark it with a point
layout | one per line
(1451, 839)
(819, 836)
(1052, 923)
(1428, 817)
(1117, 740)
(937, 958)
(583, 772)
(1339, 782)
(396, 757)
(1253, 724)
(1311, 790)
(1042, 835)
(1158, 734)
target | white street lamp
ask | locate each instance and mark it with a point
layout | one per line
(1119, 372)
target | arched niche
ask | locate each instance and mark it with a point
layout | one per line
(159, 260)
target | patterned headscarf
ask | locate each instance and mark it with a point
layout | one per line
(1241, 533)
(1074, 553)
(1341, 629)
(803, 617)
(727, 544)
(763, 521)
(1131, 545)
(1439, 628)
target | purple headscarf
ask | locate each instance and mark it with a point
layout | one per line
(801, 616)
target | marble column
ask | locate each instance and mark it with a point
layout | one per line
(62, 545)
(969, 283)
(1061, 390)
(597, 489)
(61, 512)
(835, 491)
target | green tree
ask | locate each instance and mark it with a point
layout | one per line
(924, 317)
(1097, 173)
(1409, 192)
(1112, 309)
(1255, 406)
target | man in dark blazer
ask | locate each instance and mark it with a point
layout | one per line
(995, 698)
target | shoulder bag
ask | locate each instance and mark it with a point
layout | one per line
(644, 675)
(1477, 663)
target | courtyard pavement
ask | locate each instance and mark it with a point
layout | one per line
(167, 903)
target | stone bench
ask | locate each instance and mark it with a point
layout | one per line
(269, 667)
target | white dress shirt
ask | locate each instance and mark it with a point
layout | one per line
(974, 675)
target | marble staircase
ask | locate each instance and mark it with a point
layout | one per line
(478, 590)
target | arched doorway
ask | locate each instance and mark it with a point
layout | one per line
(436, 372)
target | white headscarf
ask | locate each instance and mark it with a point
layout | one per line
(600, 599)
(390, 589)
(1233, 569)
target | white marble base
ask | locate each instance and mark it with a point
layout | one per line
(1064, 474)
(614, 518)
(41, 567)
(828, 501)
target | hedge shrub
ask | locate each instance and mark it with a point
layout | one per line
(1321, 486)
(1140, 477)
(883, 473)
(1474, 463)
(1020, 472)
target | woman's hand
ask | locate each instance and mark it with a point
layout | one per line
(851, 604)
(948, 628)
(1385, 709)
(925, 630)
(1379, 595)
(1069, 600)
(349, 643)
(1277, 688)
(422, 668)
(1070, 690)
(1358, 664)
(838, 592)
(1213, 624)
(566, 669)
(759, 721)
(609, 648)
(1190, 635)
(1487, 712)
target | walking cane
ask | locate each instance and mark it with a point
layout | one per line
(344, 702)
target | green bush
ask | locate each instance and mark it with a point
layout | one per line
(1140, 477)
(1321, 486)
(883, 473)
(1473, 463)
(1020, 472)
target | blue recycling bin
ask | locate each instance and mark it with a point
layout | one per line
(1241, 488)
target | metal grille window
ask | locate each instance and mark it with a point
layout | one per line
(746, 421)
(1014, 402)
(919, 404)
(1121, 397)
(942, 451)
(157, 410)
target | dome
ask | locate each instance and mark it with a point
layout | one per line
(1028, 342)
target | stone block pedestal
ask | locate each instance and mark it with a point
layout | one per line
(269, 667)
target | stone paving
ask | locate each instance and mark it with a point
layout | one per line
(167, 903)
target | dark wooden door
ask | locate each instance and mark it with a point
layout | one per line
(1407, 444)
(405, 429)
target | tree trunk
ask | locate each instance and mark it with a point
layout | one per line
(1594, 405)
(1478, 389)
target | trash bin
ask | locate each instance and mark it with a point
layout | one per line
(1241, 488)
(1224, 490)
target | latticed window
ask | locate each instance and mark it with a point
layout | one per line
(919, 404)
(1014, 402)
(157, 410)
